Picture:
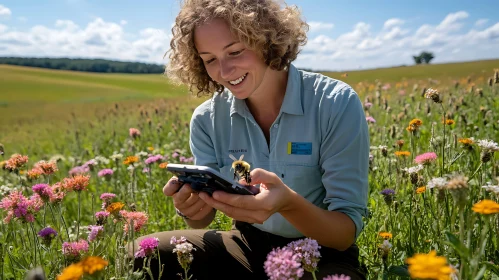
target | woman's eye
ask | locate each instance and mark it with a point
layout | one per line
(236, 53)
(209, 61)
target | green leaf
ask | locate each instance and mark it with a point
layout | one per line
(492, 267)
(399, 270)
(480, 273)
(457, 245)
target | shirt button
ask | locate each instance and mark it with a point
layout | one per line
(276, 125)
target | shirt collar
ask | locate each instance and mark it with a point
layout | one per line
(292, 103)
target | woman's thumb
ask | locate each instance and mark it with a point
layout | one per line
(259, 176)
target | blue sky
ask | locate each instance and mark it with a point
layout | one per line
(344, 35)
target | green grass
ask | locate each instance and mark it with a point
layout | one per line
(443, 72)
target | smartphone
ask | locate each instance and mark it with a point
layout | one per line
(207, 179)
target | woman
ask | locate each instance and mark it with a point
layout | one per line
(304, 135)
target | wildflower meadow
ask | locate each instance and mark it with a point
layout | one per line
(71, 201)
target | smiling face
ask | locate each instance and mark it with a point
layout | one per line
(228, 61)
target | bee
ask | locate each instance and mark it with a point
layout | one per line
(241, 168)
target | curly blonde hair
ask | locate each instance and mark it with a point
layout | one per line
(276, 37)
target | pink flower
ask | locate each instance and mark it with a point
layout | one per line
(101, 217)
(20, 207)
(95, 232)
(79, 170)
(147, 247)
(337, 277)
(153, 159)
(134, 133)
(47, 167)
(73, 250)
(105, 172)
(139, 219)
(370, 119)
(107, 196)
(283, 264)
(308, 251)
(426, 158)
(58, 193)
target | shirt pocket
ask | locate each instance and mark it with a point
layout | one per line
(304, 179)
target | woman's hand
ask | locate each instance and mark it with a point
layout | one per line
(186, 200)
(273, 197)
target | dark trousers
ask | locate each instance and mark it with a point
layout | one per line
(240, 254)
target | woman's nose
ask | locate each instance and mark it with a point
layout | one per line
(226, 69)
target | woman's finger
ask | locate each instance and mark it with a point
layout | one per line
(182, 195)
(171, 187)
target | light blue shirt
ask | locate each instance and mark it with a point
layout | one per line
(319, 144)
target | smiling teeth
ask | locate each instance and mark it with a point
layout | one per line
(235, 82)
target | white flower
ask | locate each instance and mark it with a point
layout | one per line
(492, 188)
(438, 183)
(386, 246)
(488, 145)
(141, 154)
(184, 248)
(116, 156)
(101, 159)
(414, 169)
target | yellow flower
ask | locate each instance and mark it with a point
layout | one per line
(385, 235)
(486, 207)
(115, 207)
(411, 128)
(93, 264)
(150, 149)
(72, 272)
(402, 153)
(416, 123)
(130, 160)
(163, 165)
(421, 190)
(429, 266)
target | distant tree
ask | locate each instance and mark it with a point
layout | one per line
(423, 57)
(427, 57)
(417, 59)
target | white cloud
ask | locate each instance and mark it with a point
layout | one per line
(316, 26)
(123, 22)
(393, 22)
(393, 44)
(453, 22)
(4, 12)
(481, 22)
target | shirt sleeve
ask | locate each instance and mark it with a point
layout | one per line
(345, 154)
(200, 140)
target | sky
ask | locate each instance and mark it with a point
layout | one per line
(344, 35)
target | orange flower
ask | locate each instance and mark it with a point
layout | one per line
(421, 190)
(466, 141)
(163, 165)
(411, 128)
(486, 207)
(150, 149)
(449, 122)
(416, 123)
(34, 173)
(93, 264)
(115, 207)
(72, 272)
(131, 160)
(385, 235)
(402, 153)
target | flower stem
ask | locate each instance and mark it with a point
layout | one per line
(78, 223)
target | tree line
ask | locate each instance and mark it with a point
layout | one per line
(85, 65)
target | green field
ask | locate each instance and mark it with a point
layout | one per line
(81, 121)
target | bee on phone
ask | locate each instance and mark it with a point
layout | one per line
(241, 168)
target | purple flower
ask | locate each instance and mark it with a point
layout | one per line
(283, 264)
(105, 173)
(308, 252)
(95, 232)
(146, 170)
(186, 160)
(153, 159)
(175, 155)
(368, 105)
(47, 234)
(43, 190)
(79, 170)
(388, 192)
(147, 247)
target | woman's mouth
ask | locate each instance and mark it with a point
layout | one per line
(239, 80)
